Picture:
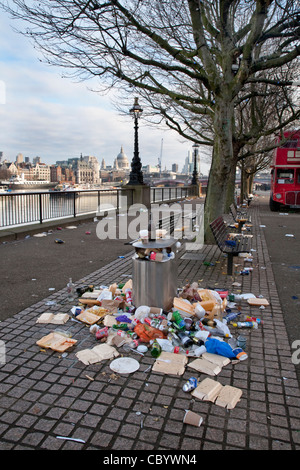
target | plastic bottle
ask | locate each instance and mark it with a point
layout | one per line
(245, 324)
(231, 316)
(234, 297)
(257, 320)
(71, 290)
(179, 321)
(155, 349)
(199, 351)
(174, 339)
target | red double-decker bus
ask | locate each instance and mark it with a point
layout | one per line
(285, 172)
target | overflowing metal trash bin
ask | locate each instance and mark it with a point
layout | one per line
(154, 276)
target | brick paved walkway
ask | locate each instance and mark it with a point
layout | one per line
(44, 395)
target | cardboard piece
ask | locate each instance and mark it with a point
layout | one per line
(112, 306)
(116, 340)
(99, 353)
(258, 302)
(207, 390)
(192, 418)
(109, 320)
(170, 363)
(91, 295)
(205, 366)
(57, 319)
(228, 397)
(89, 302)
(88, 317)
(127, 285)
(56, 342)
(221, 361)
(92, 315)
(211, 390)
(113, 288)
(156, 310)
(184, 307)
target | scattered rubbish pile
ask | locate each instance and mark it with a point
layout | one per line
(192, 328)
(195, 334)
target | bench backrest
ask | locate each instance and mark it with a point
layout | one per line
(233, 211)
(219, 230)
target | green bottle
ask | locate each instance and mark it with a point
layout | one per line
(155, 349)
(177, 318)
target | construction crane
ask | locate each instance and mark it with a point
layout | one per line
(160, 157)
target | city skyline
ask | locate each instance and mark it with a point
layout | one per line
(45, 115)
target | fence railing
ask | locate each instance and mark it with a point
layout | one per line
(37, 206)
(164, 194)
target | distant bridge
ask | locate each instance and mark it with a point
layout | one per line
(203, 181)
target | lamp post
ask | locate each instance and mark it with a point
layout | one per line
(136, 175)
(195, 173)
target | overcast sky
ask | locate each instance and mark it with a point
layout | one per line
(45, 115)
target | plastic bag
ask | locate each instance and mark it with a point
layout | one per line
(105, 294)
(215, 346)
(142, 312)
(146, 332)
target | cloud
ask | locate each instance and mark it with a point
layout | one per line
(46, 115)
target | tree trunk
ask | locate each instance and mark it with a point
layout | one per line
(251, 181)
(220, 187)
(231, 186)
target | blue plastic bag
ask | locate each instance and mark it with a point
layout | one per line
(215, 346)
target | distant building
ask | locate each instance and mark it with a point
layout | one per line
(121, 162)
(59, 174)
(188, 167)
(36, 160)
(55, 173)
(93, 163)
(42, 172)
(175, 167)
(19, 158)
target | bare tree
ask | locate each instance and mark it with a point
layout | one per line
(190, 59)
(263, 112)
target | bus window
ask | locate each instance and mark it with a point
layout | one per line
(285, 176)
(290, 144)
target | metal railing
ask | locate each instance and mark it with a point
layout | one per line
(32, 207)
(165, 194)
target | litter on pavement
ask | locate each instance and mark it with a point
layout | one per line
(199, 333)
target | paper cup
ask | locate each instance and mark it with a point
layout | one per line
(192, 418)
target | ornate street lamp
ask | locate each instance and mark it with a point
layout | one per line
(195, 173)
(136, 175)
